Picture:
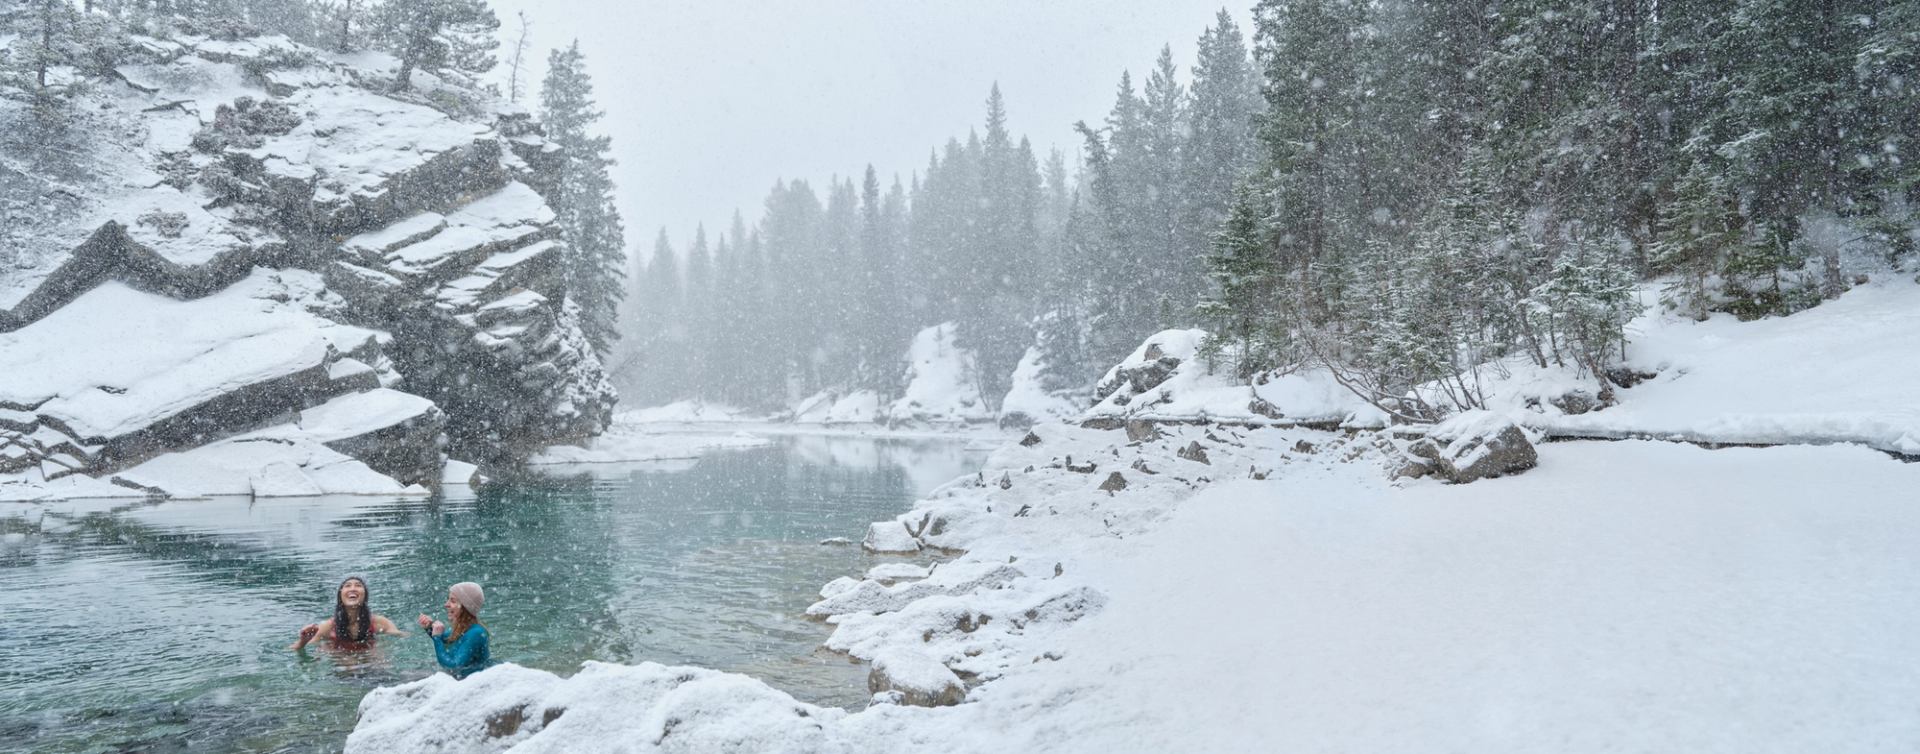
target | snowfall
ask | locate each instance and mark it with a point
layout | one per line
(1262, 580)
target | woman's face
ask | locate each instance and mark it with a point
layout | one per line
(353, 593)
(452, 605)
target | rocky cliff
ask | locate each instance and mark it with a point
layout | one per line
(241, 244)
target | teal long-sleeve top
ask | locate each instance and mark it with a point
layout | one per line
(464, 657)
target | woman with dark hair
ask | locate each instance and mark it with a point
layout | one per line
(463, 649)
(353, 625)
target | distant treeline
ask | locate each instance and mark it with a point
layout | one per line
(1394, 191)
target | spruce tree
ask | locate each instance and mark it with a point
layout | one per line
(583, 196)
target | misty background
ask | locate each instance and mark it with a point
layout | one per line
(709, 102)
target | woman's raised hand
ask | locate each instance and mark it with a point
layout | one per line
(309, 631)
(438, 628)
(424, 621)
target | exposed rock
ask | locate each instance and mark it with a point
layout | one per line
(1030, 440)
(1577, 402)
(1141, 431)
(1302, 446)
(1006, 480)
(1115, 483)
(1627, 376)
(1140, 465)
(1193, 452)
(1261, 407)
(1473, 446)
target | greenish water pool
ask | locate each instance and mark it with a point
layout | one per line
(162, 627)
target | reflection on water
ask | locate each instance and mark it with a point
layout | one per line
(163, 627)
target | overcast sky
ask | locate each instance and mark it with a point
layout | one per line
(709, 101)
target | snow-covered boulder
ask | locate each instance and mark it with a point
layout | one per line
(890, 536)
(829, 407)
(1474, 445)
(603, 707)
(1167, 379)
(941, 388)
(908, 676)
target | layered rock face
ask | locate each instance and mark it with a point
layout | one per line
(261, 245)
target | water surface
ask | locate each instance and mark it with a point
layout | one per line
(163, 627)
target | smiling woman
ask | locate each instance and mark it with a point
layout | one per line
(353, 625)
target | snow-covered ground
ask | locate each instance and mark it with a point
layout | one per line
(1733, 600)
(1844, 371)
(1210, 588)
(631, 441)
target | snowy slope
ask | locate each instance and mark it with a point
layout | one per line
(1843, 371)
(941, 385)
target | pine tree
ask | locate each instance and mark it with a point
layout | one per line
(1221, 149)
(1247, 276)
(441, 36)
(583, 196)
(661, 325)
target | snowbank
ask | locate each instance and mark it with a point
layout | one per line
(261, 467)
(625, 442)
(830, 407)
(1698, 603)
(1166, 379)
(682, 412)
(941, 387)
(1028, 402)
(1840, 372)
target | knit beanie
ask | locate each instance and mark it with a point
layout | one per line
(469, 596)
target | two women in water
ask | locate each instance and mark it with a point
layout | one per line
(460, 648)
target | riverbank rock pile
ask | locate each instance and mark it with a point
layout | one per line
(252, 246)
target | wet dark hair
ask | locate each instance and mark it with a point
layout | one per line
(344, 626)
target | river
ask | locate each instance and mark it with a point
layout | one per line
(162, 627)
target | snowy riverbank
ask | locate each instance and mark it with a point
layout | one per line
(1200, 587)
(1712, 600)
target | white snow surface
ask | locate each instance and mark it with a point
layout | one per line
(1624, 596)
(1028, 398)
(1843, 371)
(262, 466)
(628, 441)
(1199, 390)
(117, 360)
(941, 385)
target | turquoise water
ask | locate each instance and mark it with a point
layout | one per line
(163, 627)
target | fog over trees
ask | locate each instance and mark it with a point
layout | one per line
(1394, 191)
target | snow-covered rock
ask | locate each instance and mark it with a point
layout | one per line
(604, 707)
(1167, 380)
(261, 229)
(941, 386)
(1474, 445)
(908, 676)
(890, 536)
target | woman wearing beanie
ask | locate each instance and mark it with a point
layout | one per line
(463, 649)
